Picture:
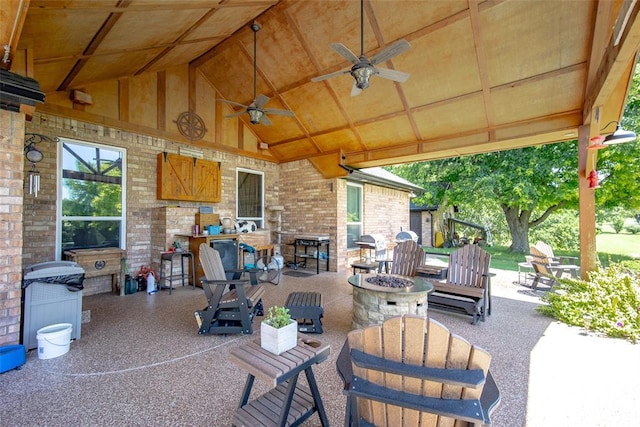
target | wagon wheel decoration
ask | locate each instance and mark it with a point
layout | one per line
(191, 126)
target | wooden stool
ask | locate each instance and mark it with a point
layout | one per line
(307, 309)
(168, 256)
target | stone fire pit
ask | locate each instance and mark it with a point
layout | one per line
(373, 304)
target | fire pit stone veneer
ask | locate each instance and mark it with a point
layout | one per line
(373, 304)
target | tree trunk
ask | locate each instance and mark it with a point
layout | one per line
(518, 222)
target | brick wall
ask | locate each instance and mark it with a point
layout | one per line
(142, 244)
(309, 202)
(11, 230)
(312, 204)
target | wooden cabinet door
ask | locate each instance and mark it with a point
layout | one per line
(188, 178)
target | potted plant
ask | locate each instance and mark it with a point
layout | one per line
(278, 331)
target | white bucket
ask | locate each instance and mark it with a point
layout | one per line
(54, 340)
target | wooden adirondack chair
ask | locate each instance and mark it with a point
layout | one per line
(550, 263)
(406, 258)
(412, 371)
(546, 250)
(232, 304)
(467, 288)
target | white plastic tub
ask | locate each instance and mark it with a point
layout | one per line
(54, 340)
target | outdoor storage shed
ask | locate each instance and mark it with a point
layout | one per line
(51, 293)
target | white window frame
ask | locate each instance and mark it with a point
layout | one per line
(259, 220)
(59, 218)
(361, 203)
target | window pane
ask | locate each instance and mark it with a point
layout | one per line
(91, 181)
(92, 196)
(86, 198)
(353, 235)
(90, 234)
(249, 194)
(353, 204)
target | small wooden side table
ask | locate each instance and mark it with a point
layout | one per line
(281, 371)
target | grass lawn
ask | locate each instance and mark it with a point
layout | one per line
(611, 248)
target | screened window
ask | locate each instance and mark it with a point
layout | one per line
(92, 195)
(250, 196)
(354, 214)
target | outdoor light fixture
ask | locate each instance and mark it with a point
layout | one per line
(255, 115)
(34, 155)
(619, 136)
(361, 74)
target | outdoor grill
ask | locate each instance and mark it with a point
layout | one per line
(406, 235)
(375, 242)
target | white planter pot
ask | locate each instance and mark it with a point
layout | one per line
(280, 340)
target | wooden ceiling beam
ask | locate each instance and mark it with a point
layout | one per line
(44, 6)
(119, 51)
(177, 41)
(481, 61)
(94, 43)
(621, 50)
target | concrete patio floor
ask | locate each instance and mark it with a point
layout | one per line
(140, 362)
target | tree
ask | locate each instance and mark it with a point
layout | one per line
(528, 184)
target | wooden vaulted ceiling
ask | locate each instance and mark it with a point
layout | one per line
(485, 75)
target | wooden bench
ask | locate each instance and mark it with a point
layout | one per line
(307, 309)
(467, 288)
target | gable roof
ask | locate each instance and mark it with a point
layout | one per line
(383, 178)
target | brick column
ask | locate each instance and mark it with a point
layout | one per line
(11, 209)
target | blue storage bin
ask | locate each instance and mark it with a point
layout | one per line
(12, 357)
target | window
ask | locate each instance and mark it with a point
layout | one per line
(250, 196)
(91, 196)
(354, 214)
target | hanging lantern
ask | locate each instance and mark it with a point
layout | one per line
(34, 155)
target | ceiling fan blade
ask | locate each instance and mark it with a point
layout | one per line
(232, 103)
(396, 76)
(345, 52)
(239, 113)
(328, 76)
(265, 120)
(390, 51)
(278, 112)
(260, 101)
(355, 90)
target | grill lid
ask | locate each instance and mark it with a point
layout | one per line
(406, 235)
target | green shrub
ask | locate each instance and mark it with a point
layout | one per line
(611, 297)
(618, 223)
(633, 228)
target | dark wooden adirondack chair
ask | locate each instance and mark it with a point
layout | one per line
(232, 304)
(412, 371)
(467, 288)
(406, 258)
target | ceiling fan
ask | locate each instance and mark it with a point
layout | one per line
(256, 110)
(364, 68)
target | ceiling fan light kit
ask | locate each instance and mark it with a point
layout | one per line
(364, 68)
(257, 114)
